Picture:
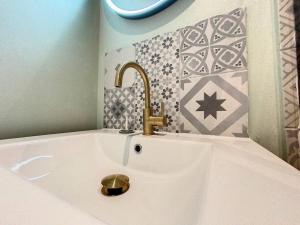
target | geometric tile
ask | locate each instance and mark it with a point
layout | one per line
(216, 45)
(287, 24)
(229, 57)
(159, 57)
(113, 61)
(118, 106)
(289, 87)
(215, 105)
(228, 43)
(292, 140)
(231, 25)
(289, 18)
(194, 49)
(195, 63)
(195, 35)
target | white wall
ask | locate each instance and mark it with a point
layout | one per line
(265, 119)
(48, 66)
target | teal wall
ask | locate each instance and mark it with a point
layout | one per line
(265, 119)
(48, 66)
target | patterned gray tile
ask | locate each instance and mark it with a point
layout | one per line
(195, 36)
(292, 140)
(213, 46)
(216, 105)
(229, 56)
(228, 43)
(231, 25)
(160, 59)
(119, 104)
(195, 63)
(287, 24)
(194, 49)
(289, 87)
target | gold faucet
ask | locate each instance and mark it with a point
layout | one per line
(148, 119)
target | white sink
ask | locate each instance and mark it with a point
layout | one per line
(175, 179)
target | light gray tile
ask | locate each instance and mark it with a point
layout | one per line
(231, 55)
(213, 46)
(287, 24)
(216, 105)
(119, 105)
(292, 140)
(231, 25)
(289, 87)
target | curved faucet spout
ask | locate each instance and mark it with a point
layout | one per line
(142, 73)
(148, 119)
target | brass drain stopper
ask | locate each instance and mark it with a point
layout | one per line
(115, 184)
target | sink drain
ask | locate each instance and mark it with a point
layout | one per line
(114, 185)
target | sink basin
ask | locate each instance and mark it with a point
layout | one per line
(175, 179)
(161, 176)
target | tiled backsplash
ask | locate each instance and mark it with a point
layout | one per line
(289, 21)
(199, 72)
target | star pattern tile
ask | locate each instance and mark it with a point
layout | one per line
(214, 77)
(211, 105)
(223, 104)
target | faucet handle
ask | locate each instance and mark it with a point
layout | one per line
(162, 114)
(162, 109)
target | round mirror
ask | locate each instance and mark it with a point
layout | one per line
(137, 9)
